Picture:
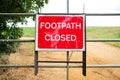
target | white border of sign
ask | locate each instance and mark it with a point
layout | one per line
(48, 49)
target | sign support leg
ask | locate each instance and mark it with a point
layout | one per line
(84, 54)
(36, 63)
(84, 63)
(67, 72)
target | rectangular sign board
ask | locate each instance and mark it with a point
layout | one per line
(60, 33)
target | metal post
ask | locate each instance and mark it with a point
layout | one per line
(67, 72)
(84, 63)
(36, 63)
(67, 6)
(84, 52)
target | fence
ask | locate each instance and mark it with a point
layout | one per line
(60, 66)
(88, 40)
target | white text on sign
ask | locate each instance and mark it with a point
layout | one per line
(58, 37)
(59, 25)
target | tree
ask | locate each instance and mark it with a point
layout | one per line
(10, 31)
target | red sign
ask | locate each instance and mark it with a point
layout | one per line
(60, 32)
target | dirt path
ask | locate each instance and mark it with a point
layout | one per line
(97, 53)
(104, 52)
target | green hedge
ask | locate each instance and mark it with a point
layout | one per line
(9, 33)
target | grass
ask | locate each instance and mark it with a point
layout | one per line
(104, 33)
(28, 31)
(92, 33)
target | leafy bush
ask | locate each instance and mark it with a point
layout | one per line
(10, 33)
(8, 29)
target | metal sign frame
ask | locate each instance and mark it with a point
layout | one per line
(83, 62)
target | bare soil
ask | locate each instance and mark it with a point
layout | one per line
(97, 53)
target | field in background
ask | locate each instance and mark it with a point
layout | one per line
(92, 33)
(104, 33)
(28, 31)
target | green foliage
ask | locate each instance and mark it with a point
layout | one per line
(8, 29)
(10, 33)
